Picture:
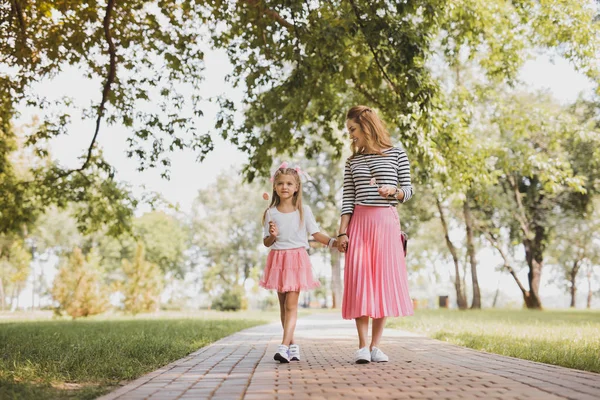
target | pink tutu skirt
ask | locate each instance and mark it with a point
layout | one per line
(288, 271)
(375, 279)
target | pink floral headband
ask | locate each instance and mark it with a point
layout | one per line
(299, 171)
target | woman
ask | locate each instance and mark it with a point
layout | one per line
(376, 178)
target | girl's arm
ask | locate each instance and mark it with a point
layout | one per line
(324, 239)
(273, 232)
(269, 240)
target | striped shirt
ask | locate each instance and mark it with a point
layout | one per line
(390, 169)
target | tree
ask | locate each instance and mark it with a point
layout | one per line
(227, 232)
(532, 151)
(78, 287)
(142, 285)
(15, 267)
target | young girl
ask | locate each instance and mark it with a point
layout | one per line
(287, 224)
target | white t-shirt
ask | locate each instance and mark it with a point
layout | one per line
(292, 235)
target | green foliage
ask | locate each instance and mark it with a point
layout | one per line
(227, 232)
(143, 283)
(164, 237)
(232, 299)
(78, 287)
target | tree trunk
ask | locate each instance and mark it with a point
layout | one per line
(2, 296)
(461, 301)
(533, 255)
(590, 293)
(336, 279)
(476, 303)
(573, 281)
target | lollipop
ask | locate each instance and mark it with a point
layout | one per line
(266, 197)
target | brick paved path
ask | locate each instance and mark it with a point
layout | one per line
(242, 366)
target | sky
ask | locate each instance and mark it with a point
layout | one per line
(188, 176)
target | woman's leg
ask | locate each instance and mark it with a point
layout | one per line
(291, 316)
(362, 326)
(378, 325)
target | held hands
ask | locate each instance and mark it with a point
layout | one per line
(387, 191)
(342, 244)
(273, 231)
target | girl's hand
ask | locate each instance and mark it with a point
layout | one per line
(342, 244)
(273, 231)
(387, 190)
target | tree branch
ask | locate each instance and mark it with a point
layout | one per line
(16, 9)
(270, 13)
(362, 90)
(375, 56)
(112, 71)
(490, 237)
(521, 217)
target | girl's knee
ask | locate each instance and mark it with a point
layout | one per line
(289, 307)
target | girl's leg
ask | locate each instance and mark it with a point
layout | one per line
(282, 297)
(378, 325)
(362, 326)
(291, 315)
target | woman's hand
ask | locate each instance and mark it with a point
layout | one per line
(273, 231)
(342, 243)
(387, 191)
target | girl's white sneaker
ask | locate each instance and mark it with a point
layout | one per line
(362, 356)
(378, 355)
(282, 355)
(294, 352)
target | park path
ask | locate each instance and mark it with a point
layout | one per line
(241, 366)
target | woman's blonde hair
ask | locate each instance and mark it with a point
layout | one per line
(296, 200)
(376, 134)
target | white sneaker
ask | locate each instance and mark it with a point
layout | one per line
(362, 356)
(378, 355)
(294, 352)
(282, 354)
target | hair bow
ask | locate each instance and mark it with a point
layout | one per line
(297, 168)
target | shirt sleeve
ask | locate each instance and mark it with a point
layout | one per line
(404, 176)
(266, 233)
(310, 222)
(348, 194)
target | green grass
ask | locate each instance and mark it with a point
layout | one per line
(566, 338)
(86, 358)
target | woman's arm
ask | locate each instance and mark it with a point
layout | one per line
(342, 239)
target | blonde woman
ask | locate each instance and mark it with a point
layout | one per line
(376, 178)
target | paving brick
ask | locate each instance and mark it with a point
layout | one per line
(242, 366)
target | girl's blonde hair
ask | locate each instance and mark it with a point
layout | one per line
(296, 200)
(376, 134)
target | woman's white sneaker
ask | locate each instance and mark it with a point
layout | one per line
(282, 355)
(378, 355)
(294, 352)
(362, 356)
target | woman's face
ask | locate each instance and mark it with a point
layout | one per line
(357, 136)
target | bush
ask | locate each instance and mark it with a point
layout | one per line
(230, 300)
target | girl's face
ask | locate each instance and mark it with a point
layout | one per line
(357, 136)
(286, 186)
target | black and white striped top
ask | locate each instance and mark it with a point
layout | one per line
(392, 168)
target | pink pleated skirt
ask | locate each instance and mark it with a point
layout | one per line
(375, 279)
(288, 271)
